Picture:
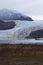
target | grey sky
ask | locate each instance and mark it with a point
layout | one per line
(29, 7)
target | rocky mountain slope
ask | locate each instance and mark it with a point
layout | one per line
(6, 14)
(6, 25)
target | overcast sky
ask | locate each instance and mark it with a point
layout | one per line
(28, 7)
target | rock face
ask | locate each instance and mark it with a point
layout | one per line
(36, 34)
(6, 25)
(6, 14)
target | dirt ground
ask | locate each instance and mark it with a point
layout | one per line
(21, 54)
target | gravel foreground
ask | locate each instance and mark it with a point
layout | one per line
(21, 54)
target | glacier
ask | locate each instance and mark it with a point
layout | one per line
(20, 31)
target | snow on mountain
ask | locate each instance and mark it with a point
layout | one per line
(6, 14)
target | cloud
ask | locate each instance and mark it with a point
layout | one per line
(29, 7)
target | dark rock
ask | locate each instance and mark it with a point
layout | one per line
(35, 34)
(6, 14)
(25, 18)
(6, 25)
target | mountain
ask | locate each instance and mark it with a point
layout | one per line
(6, 25)
(6, 14)
(36, 34)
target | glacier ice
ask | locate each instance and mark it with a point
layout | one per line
(21, 30)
